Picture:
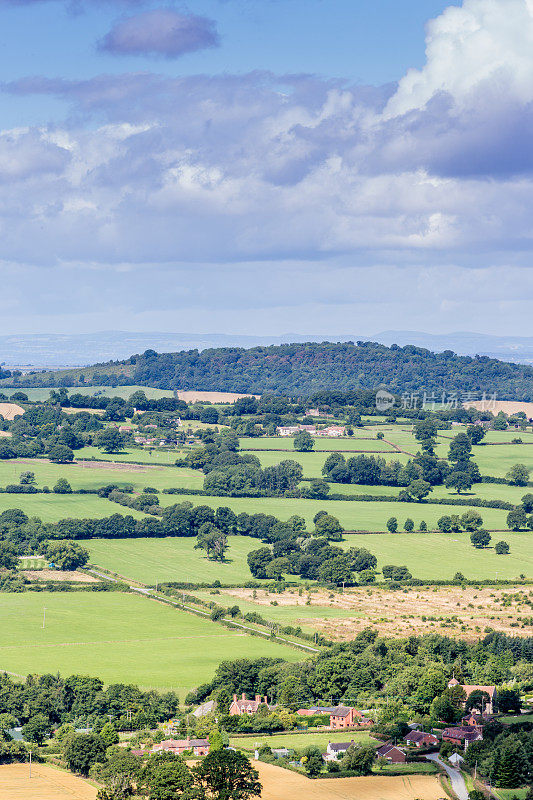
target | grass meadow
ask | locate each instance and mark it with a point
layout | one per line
(171, 559)
(354, 516)
(42, 394)
(53, 507)
(354, 443)
(121, 638)
(440, 555)
(298, 741)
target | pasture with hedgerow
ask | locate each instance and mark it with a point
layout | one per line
(159, 556)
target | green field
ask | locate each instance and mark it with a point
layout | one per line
(171, 559)
(441, 555)
(53, 507)
(299, 741)
(134, 454)
(355, 443)
(499, 458)
(92, 475)
(120, 638)
(102, 391)
(353, 515)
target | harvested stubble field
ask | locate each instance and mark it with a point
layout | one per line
(191, 396)
(122, 638)
(46, 783)
(10, 410)
(281, 784)
(450, 611)
(58, 575)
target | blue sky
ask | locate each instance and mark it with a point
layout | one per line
(262, 166)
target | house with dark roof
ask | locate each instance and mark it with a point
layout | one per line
(420, 739)
(462, 735)
(392, 753)
(346, 717)
(335, 750)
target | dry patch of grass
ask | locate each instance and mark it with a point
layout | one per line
(507, 406)
(281, 784)
(451, 611)
(212, 397)
(10, 410)
(55, 575)
(45, 783)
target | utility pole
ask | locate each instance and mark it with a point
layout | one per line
(44, 617)
(30, 763)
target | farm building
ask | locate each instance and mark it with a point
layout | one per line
(245, 706)
(421, 739)
(200, 747)
(346, 717)
(336, 749)
(462, 735)
(392, 753)
(488, 707)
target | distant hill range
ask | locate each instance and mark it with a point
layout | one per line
(70, 350)
(303, 369)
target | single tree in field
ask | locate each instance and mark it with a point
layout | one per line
(518, 475)
(27, 479)
(419, 489)
(61, 454)
(480, 538)
(212, 540)
(110, 440)
(475, 433)
(392, 525)
(471, 520)
(517, 519)
(62, 486)
(227, 775)
(460, 481)
(303, 442)
(330, 527)
(501, 548)
(408, 525)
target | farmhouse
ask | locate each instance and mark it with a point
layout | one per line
(488, 707)
(287, 430)
(420, 739)
(333, 431)
(462, 735)
(392, 753)
(310, 712)
(200, 747)
(245, 706)
(336, 749)
(346, 717)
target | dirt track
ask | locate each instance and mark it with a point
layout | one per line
(280, 784)
(10, 410)
(46, 783)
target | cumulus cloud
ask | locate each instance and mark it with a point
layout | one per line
(160, 32)
(483, 45)
(237, 169)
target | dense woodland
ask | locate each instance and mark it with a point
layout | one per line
(303, 369)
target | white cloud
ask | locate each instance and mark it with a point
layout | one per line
(483, 42)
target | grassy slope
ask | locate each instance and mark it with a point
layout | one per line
(299, 741)
(442, 555)
(352, 515)
(157, 560)
(53, 507)
(119, 637)
(102, 391)
(92, 475)
(287, 443)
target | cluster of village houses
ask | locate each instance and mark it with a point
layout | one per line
(334, 431)
(348, 718)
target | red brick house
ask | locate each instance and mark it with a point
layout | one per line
(392, 753)
(462, 735)
(420, 739)
(200, 747)
(345, 717)
(245, 706)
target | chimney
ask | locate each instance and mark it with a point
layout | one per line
(258, 698)
(234, 698)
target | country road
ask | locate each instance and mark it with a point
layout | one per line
(456, 778)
